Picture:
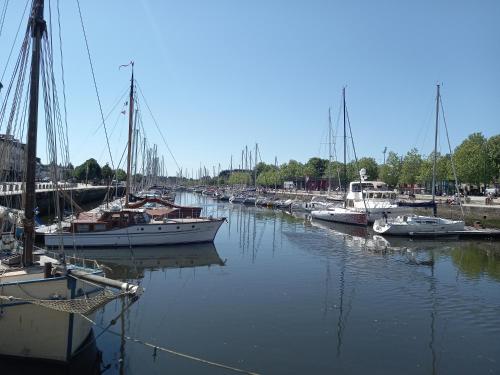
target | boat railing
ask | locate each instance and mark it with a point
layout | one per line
(72, 259)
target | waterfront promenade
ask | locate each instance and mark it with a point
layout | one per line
(16, 188)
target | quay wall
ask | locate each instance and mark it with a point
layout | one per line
(45, 198)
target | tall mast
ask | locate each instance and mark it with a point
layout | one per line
(345, 143)
(130, 127)
(276, 175)
(435, 155)
(329, 149)
(37, 29)
(255, 166)
(134, 144)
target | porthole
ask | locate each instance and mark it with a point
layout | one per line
(178, 227)
(159, 228)
(142, 228)
(192, 226)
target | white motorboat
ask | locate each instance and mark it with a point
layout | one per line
(132, 227)
(341, 215)
(374, 198)
(413, 225)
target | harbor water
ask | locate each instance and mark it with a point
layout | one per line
(281, 294)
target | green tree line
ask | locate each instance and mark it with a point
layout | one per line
(476, 160)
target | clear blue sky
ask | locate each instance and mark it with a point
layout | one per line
(223, 74)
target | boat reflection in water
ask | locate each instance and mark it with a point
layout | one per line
(87, 362)
(131, 263)
(355, 236)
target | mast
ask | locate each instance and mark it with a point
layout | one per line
(345, 143)
(255, 166)
(276, 173)
(37, 29)
(434, 209)
(329, 149)
(134, 143)
(130, 127)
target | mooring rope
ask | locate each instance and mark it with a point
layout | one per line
(166, 350)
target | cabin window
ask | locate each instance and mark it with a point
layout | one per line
(99, 227)
(192, 226)
(82, 227)
(178, 227)
(159, 228)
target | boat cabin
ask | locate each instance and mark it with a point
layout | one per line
(108, 220)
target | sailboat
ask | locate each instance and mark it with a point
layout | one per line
(412, 225)
(45, 301)
(342, 214)
(135, 224)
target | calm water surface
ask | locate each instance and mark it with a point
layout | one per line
(279, 294)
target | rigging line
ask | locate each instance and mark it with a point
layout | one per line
(62, 78)
(14, 41)
(95, 83)
(118, 117)
(451, 159)
(163, 349)
(120, 99)
(157, 126)
(356, 161)
(2, 16)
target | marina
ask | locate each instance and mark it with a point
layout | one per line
(282, 294)
(183, 190)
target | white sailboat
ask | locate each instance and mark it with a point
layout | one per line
(342, 214)
(44, 301)
(413, 225)
(132, 224)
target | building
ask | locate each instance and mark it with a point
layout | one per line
(12, 158)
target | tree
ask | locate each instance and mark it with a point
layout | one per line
(121, 175)
(390, 171)
(107, 172)
(90, 170)
(262, 167)
(239, 178)
(472, 160)
(370, 165)
(443, 169)
(410, 167)
(292, 170)
(315, 167)
(269, 178)
(493, 147)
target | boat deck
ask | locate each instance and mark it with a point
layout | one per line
(468, 232)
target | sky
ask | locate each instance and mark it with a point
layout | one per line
(222, 74)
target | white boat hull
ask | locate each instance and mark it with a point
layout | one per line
(376, 213)
(418, 226)
(33, 331)
(341, 215)
(174, 232)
